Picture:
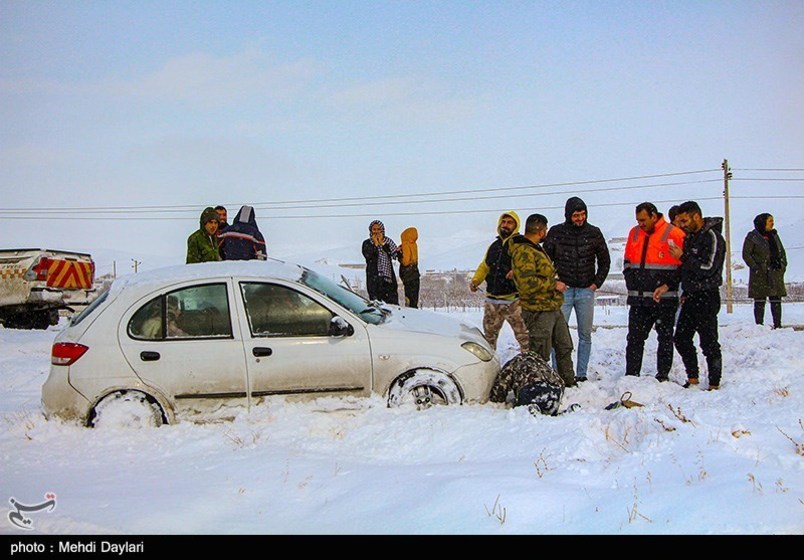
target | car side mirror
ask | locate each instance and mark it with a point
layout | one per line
(339, 327)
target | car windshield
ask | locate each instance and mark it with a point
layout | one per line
(369, 312)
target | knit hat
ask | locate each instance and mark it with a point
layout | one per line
(574, 204)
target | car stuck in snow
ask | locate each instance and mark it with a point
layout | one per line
(166, 344)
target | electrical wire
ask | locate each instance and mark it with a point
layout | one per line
(766, 180)
(765, 197)
(764, 169)
(363, 198)
(257, 206)
(318, 216)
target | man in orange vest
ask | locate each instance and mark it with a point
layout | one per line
(652, 276)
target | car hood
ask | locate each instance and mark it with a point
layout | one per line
(416, 320)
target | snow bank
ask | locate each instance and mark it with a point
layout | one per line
(688, 461)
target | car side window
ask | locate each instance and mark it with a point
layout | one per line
(274, 310)
(195, 312)
(147, 324)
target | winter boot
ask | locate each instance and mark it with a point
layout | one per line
(690, 382)
(776, 313)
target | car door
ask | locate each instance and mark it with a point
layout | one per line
(289, 348)
(185, 343)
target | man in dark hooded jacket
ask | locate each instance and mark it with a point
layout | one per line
(242, 241)
(702, 261)
(582, 261)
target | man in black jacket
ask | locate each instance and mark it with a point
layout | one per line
(702, 261)
(582, 261)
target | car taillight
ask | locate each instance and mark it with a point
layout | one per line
(67, 353)
(39, 270)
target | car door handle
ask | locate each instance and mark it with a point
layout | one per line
(260, 351)
(149, 356)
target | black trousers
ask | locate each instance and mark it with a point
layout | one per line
(412, 292)
(641, 319)
(776, 311)
(699, 315)
(387, 292)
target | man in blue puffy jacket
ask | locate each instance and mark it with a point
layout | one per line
(242, 241)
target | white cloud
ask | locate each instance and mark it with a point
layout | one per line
(403, 100)
(197, 78)
(209, 80)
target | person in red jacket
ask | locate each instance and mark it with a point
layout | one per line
(652, 276)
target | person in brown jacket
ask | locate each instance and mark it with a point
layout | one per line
(409, 266)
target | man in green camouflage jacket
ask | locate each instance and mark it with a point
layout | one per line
(535, 279)
(532, 381)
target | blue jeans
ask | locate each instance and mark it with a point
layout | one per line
(582, 300)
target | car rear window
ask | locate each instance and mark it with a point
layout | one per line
(193, 312)
(89, 309)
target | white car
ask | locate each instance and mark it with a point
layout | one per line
(192, 338)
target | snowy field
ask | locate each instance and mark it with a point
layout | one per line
(688, 462)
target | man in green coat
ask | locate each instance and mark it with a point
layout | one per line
(535, 278)
(202, 245)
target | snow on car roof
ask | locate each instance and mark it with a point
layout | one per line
(272, 268)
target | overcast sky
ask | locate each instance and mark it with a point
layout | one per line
(188, 104)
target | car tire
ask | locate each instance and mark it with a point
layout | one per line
(424, 388)
(127, 409)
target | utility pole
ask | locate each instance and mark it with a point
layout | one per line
(726, 177)
(114, 270)
(134, 264)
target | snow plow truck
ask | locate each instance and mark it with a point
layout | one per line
(36, 283)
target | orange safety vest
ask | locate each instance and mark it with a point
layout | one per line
(647, 262)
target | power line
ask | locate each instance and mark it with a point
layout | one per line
(364, 198)
(489, 197)
(363, 203)
(319, 216)
(765, 169)
(765, 180)
(767, 197)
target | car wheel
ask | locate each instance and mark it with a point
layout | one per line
(126, 409)
(424, 388)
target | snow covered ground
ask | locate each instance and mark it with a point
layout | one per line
(688, 462)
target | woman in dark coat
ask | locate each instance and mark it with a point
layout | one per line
(764, 254)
